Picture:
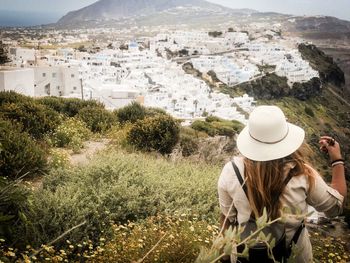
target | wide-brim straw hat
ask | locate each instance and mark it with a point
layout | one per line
(268, 136)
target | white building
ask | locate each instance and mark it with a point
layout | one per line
(113, 96)
(20, 56)
(20, 80)
(229, 69)
(57, 81)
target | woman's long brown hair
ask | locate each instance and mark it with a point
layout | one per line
(266, 179)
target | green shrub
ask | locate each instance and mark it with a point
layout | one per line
(188, 145)
(117, 187)
(151, 111)
(34, 118)
(71, 133)
(159, 133)
(68, 106)
(227, 128)
(131, 113)
(203, 127)
(19, 154)
(13, 200)
(54, 103)
(73, 106)
(224, 130)
(190, 132)
(97, 119)
(309, 111)
(212, 118)
(135, 111)
(216, 126)
(12, 97)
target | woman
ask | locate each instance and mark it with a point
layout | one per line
(270, 148)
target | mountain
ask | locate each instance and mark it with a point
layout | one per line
(119, 9)
(318, 27)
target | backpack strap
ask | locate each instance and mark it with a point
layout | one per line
(240, 178)
(244, 186)
(296, 237)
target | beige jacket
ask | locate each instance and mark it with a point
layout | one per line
(296, 195)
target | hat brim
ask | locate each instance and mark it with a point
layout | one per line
(259, 151)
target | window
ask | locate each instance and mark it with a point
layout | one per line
(54, 75)
(58, 87)
(72, 75)
(74, 88)
(44, 75)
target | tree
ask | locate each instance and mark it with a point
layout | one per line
(183, 52)
(3, 54)
(215, 33)
(82, 48)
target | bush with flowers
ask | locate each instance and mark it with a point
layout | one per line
(71, 133)
(59, 158)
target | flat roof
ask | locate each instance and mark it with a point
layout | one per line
(14, 69)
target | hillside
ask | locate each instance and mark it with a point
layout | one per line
(318, 27)
(121, 203)
(119, 9)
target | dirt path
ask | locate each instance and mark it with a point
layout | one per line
(338, 96)
(90, 149)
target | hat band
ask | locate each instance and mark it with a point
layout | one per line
(270, 142)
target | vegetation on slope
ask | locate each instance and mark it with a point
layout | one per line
(116, 187)
(215, 126)
(328, 69)
(133, 199)
(128, 203)
(272, 86)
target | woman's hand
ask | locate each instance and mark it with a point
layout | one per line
(330, 145)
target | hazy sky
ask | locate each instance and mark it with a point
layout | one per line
(54, 9)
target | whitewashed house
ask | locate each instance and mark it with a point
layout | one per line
(57, 80)
(113, 96)
(20, 80)
(22, 56)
